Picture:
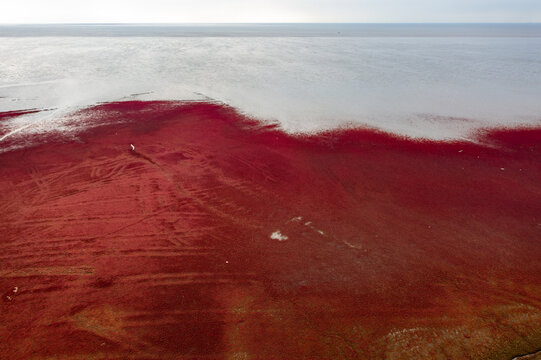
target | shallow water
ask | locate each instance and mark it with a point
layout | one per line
(435, 81)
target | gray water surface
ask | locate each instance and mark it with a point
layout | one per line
(426, 80)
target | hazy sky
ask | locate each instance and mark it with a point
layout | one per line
(172, 11)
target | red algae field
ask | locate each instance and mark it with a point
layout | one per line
(216, 236)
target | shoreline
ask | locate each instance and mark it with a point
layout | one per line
(87, 118)
(220, 236)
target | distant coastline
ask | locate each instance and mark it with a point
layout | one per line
(276, 30)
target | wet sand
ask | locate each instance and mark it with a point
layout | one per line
(223, 238)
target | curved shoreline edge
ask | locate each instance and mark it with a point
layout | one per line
(221, 237)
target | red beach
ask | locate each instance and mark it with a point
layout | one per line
(218, 236)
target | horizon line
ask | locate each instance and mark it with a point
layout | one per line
(282, 23)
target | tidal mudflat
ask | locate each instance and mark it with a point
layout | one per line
(187, 230)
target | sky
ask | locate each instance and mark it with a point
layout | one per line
(255, 11)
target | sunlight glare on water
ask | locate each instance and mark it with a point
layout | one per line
(440, 85)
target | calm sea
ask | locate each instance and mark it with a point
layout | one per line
(427, 80)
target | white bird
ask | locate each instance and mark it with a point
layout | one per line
(132, 147)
